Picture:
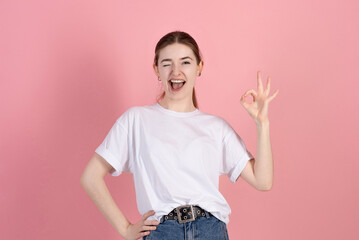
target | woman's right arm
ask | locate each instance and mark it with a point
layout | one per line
(92, 180)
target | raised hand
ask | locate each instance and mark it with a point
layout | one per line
(258, 109)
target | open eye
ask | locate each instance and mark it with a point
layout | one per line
(187, 62)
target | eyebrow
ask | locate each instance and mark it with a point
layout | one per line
(168, 59)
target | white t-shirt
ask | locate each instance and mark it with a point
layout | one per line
(176, 158)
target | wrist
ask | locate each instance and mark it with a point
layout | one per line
(262, 123)
(122, 229)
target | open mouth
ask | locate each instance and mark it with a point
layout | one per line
(176, 85)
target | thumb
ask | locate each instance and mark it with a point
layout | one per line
(244, 104)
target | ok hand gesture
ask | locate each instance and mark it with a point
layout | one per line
(258, 109)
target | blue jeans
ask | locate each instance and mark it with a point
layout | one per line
(203, 228)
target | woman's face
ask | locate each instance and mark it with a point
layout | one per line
(177, 68)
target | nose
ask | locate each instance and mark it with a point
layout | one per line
(176, 70)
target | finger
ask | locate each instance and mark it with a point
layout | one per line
(259, 82)
(242, 100)
(142, 234)
(145, 228)
(244, 103)
(150, 222)
(266, 92)
(147, 214)
(252, 92)
(273, 96)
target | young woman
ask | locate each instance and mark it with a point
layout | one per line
(176, 154)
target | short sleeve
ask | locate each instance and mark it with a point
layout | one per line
(115, 149)
(235, 154)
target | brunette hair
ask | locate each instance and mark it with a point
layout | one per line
(183, 38)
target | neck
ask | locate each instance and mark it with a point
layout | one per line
(184, 105)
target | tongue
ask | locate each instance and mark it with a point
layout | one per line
(177, 85)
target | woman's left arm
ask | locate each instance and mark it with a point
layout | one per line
(261, 169)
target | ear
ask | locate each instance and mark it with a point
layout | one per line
(155, 68)
(200, 67)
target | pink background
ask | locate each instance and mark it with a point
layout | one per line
(68, 69)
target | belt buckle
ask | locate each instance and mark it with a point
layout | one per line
(179, 214)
